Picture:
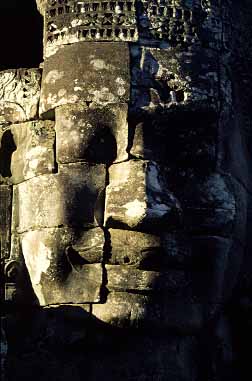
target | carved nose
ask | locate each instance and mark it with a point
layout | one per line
(138, 197)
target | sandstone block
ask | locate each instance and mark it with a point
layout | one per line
(58, 276)
(69, 198)
(127, 310)
(209, 204)
(93, 134)
(80, 245)
(181, 140)
(129, 279)
(86, 72)
(55, 277)
(138, 197)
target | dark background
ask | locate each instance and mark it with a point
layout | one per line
(21, 33)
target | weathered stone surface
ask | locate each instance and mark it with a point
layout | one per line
(74, 21)
(191, 266)
(5, 220)
(99, 73)
(181, 140)
(183, 271)
(34, 154)
(84, 246)
(68, 198)
(132, 247)
(93, 134)
(41, 4)
(182, 23)
(19, 95)
(129, 279)
(55, 277)
(127, 310)
(174, 77)
(209, 204)
(146, 251)
(176, 23)
(72, 250)
(138, 197)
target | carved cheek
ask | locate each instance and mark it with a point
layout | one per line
(59, 274)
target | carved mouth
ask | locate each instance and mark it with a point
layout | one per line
(175, 264)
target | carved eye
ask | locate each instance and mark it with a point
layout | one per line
(182, 140)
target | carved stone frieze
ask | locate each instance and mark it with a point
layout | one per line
(19, 95)
(178, 23)
(72, 21)
(169, 78)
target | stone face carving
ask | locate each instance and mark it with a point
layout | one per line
(59, 202)
(129, 195)
(58, 273)
(19, 95)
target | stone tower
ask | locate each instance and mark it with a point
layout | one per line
(125, 194)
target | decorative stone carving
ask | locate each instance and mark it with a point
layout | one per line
(123, 278)
(34, 155)
(99, 73)
(176, 22)
(72, 21)
(19, 95)
(138, 197)
(140, 204)
(180, 22)
(170, 78)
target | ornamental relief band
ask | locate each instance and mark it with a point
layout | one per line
(125, 193)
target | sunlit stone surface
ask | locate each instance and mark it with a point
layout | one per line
(125, 194)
